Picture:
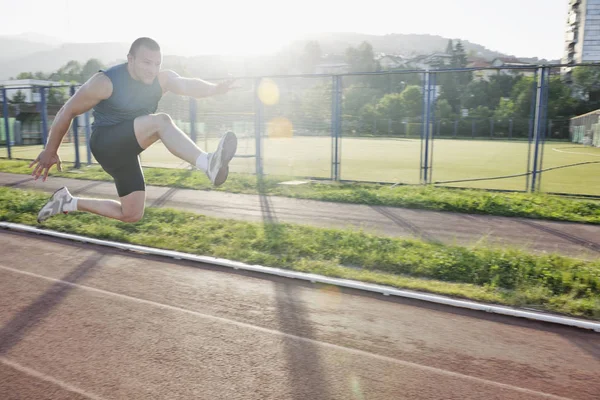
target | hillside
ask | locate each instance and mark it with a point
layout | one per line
(405, 44)
(33, 52)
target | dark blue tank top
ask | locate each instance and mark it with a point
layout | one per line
(129, 100)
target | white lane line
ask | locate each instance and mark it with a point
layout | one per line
(290, 336)
(575, 152)
(47, 378)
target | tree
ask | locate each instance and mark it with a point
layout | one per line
(522, 95)
(310, 57)
(18, 98)
(450, 47)
(362, 58)
(459, 60)
(480, 112)
(586, 87)
(412, 99)
(92, 66)
(477, 93)
(357, 96)
(25, 75)
(57, 95)
(443, 110)
(70, 72)
(391, 106)
(560, 103)
(505, 110)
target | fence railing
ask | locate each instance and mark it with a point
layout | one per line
(394, 127)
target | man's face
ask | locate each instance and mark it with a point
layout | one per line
(145, 64)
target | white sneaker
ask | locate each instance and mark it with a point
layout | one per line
(218, 162)
(56, 204)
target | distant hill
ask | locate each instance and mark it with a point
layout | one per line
(403, 44)
(12, 47)
(49, 60)
(36, 38)
(32, 52)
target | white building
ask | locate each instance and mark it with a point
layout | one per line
(389, 62)
(31, 91)
(582, 36)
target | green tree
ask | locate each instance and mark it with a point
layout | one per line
(481, 112)
(92, 66)
(561, 105)
(443, 110)
(310, 57)
(522, 95)
(57, 95)
(18, 98)
(450, 47)
(477, 93)
(25, 75)
(70, 72)
(391, 106)
(408, 104)
(506, 109)
(362, 58)
(412, 99)
(357, 96)
(586, 87)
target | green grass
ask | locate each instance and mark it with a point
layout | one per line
(395, 160)
(474, 201)
(509, 277)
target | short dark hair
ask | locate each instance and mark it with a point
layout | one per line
(143, 41)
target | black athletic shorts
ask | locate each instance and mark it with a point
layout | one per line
(117, 150)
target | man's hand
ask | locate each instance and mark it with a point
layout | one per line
(224, 87)
(44, 162)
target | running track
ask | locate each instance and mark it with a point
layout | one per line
(85, 322)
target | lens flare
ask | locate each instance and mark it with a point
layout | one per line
(268, 92)
(280, 127)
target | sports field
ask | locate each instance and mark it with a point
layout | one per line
(394, 160)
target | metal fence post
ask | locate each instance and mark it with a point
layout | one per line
(88, 135)
(336, 114)
(44, 115)
(544, 125)
(76, 134)
(432, 101)
(425, 125)
(258, 128)
(6, 121)
(538, 124)
(530, 131)
(193, 108)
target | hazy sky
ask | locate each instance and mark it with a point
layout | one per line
(519, 27)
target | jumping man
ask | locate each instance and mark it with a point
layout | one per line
(125, 98)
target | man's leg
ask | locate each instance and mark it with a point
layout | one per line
(117, 146)
(131, 188)
(129, 209)
(149, 128)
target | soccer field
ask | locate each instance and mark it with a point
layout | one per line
(393, 160)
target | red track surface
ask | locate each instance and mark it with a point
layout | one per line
(79, 321)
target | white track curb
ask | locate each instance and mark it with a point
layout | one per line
(387, 291)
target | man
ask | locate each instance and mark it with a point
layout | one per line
(125, 98)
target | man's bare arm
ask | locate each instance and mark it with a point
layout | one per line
(96, 89)
(191, 87)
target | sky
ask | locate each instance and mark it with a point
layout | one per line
(524, 28)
